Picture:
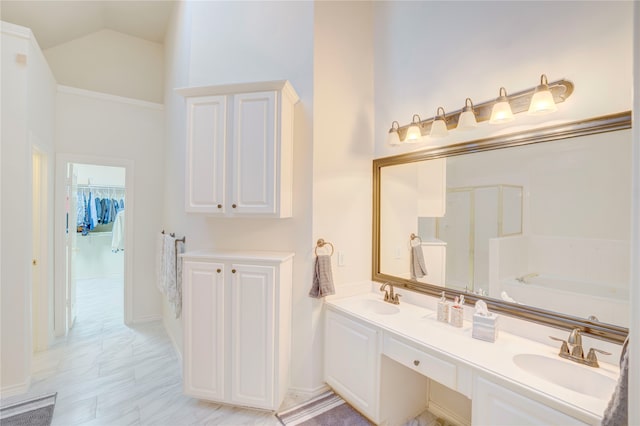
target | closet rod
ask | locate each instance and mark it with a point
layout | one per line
(85, 186)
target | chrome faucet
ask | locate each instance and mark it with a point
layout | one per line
(572, 349)
(525, 278)
(390, 296)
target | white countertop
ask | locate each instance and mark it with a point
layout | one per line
(268, 256)
(420, 326)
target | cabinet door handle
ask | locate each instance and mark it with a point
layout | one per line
(218, 270)
(234, 206)
(219, 206)
(233, 271)
(416, 362)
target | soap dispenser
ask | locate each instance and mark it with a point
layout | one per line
(457, 312)
(443, 309)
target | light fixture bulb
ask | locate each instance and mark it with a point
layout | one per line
(439, 125)
(501, 112)
(542, 100)
(467, 119)
(413, 132)
(393, 138)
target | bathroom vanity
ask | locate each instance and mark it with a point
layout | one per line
(393, 361)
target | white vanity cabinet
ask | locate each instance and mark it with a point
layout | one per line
(239, 149)
(237, 321)
(352, 362)
(499, 406)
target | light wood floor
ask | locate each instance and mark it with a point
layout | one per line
(106, 373)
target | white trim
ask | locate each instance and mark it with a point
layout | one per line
(176, 348)
(230, 89)
(110, 98)
(14, 390)
(146, 319)
(309, 393)
(15, 30)
(59, 237)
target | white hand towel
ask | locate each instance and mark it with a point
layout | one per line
(322, 278)
(177, 299)
(617, 412)
(170, 268)
(417, 265)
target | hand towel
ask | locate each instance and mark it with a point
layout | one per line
(617, 412)
(170, 268)
(177, 299)
(418, 268)
(160, 260)
(322, 278)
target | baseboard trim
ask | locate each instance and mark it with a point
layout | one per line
(14, 390)
(176, 349)
(309, 393)
(149, 318)
(447, 414)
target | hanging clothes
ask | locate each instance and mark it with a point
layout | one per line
(117, 235)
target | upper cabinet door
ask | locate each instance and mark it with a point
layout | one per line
(205, 171)
(254, 153)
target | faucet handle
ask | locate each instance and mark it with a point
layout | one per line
(564, 349)
(396, 299)
(592, 359)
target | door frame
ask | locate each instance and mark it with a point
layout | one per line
(39, 297)
(60, 303)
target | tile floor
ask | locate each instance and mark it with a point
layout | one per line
(106, 373)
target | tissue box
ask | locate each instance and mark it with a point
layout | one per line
(485, 327)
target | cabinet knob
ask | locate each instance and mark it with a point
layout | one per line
(219, 206)
(218, 270)
(416, 362)
(233, 271)
(233, 205)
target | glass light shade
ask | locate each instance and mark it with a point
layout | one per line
(438, 128)
(467, 121)
(501, 113)
(393, 138)
(542, 103)
(413, 134)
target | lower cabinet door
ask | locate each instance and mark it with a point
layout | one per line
(252, 335)
(497, 406)
(352, 362)
(204, 330)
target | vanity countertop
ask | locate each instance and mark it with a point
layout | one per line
(420, 326)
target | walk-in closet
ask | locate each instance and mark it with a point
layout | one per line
(96, 227)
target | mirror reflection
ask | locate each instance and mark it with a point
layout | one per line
(545, 225)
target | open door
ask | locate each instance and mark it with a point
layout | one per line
(70, 243)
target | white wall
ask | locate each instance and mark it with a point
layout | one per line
(431, 54)
(28, 91)
(111, 62)
(103, 126)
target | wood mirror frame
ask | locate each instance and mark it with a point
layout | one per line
(602, 124)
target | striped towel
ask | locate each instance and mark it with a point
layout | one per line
(322, 278)
(417, 266)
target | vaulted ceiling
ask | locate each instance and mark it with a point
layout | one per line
(56, 22)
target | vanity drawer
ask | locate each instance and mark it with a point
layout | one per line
(433, 367)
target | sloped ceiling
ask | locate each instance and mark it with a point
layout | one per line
(56, 22)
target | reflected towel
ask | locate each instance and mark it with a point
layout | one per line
(418, 268)
(322, 278)
(617, 412)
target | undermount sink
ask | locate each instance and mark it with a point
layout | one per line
(378, 307)
(585, 380)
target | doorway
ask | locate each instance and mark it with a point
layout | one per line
(40, 250)
(93, 225)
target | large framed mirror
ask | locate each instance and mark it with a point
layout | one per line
(537, 223)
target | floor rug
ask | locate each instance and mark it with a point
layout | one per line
(33, 412)
(327, 409)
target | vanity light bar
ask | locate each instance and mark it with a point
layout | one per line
(519, 102)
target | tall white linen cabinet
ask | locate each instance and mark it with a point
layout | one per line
(236, 311)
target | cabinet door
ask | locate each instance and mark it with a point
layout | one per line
(497, 406)
(203, 322)
(254, 154)
(205, 168)
(252, 335)
(351, 362)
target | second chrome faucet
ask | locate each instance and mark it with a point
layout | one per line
(572, 349)
(389, 295)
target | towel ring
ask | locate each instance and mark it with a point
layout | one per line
(415, 237)
(321, 243)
